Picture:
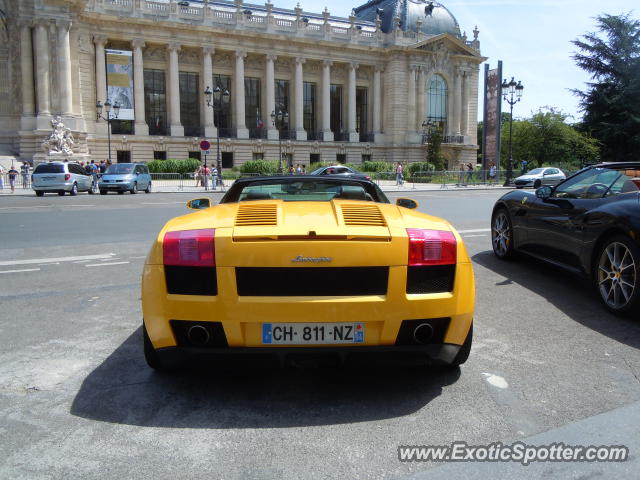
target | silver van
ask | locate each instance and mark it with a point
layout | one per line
(60, 177)
(125, 177)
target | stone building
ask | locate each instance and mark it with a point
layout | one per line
(354, 89)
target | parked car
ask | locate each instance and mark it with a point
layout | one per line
(540, 176)
(294, 269)
(125, 177)
(340, 170)
(588, 224)
(60, 177)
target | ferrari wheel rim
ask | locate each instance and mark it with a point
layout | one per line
(617, 275)
(501, 234)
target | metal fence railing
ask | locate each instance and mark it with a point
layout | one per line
(20, 182)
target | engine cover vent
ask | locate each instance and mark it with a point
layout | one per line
(251, 215)
(367, 215)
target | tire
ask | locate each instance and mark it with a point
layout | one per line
(134, 189)
(519, 187)
(150, 354)
(61, 193)
(537, 184)
(148, 189)
(120, 192)
(74, 190)
(465, 349)
(103, 192)
(617, 275)
(91, 191)
(39, 193)
(502, 234)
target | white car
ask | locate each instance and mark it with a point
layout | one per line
(540, 176)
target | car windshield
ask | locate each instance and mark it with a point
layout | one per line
(535, 171)
(598, 182)
(304, 190)
(119, 169)
(49, 168)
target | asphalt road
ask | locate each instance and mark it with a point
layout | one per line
(77, 400)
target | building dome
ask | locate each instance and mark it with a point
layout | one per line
(434, 18)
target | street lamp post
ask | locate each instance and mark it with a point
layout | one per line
(278, 120)
(512, 93)
(220, 98)
(108, 108)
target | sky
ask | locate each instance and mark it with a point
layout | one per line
(532, 38)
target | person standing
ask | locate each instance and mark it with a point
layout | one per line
(469, 173)
(399, 176)
(523, 165)
(24, 172)
(492, 173)
(214, 177)
(12, 173)
(461, 176)
(198, 175)
(93, 168)
(205, 177)
(2, 177)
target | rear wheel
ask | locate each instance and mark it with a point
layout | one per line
(617, 275)
(502, 234)
(103, 192)
(74, 190)
(39, 193)
(61, 193)
(134, 189)
(150, 354)
(120, 192)
(537, 184)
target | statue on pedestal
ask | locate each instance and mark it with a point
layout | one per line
(60, 142)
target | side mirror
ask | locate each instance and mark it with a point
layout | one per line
(544, 192)
(198, 203)
(407, 203)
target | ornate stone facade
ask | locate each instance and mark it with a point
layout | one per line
(53, 64)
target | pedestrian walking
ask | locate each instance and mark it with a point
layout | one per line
(2, 172)
(93, 168)
(12, 174)
(214, 179)
(102, 167)
(399, 175)
(198, 176)
(24, 172)
(469, 173)
(461, 176)
(298, 169)
(205, 177)
(492, 173)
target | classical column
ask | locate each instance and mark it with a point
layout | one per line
(272, 131)
(351, 101)
(241, 128)
(101, 78)
(457, 100)
(466, 87)
(141, 127)
(26, 71)
(64, 68)
(411, 99)
(177, 130)
(42, 69)
(299, 103)
(210, 130)
(377, 73)
(327, 134)
(420, 104)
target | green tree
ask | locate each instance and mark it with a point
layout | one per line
(611, 102)
(434, 151)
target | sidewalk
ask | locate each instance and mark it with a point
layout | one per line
(385, 185)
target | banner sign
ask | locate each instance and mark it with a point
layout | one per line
(492, 116)
(120, 81)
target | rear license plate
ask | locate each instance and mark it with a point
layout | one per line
(312, 333)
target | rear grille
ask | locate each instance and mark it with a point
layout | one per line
(367, 215)
(191, 280)
(311, 281)
(430, 278)
(250, 215)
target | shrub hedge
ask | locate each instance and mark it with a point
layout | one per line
(171, 165)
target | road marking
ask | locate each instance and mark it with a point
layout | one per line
(143, 256)
(76, 205)
(45, 264)
(34, 206)
(476, 230)
(104, 264)
(18, 271)
(54, 260)
(162, 203)
(471, 236)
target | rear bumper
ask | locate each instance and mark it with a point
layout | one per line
(278, 357)
(52, 187)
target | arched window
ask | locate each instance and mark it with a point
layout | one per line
(437, 101)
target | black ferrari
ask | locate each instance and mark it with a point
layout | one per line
(588, 224)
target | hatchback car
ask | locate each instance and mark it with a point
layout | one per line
(540, 176)
(125, 177)
(340, 170)
(306, 270)
(60, 177)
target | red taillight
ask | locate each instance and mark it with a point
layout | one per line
(190, 248)
(431, 247)
(67, 176)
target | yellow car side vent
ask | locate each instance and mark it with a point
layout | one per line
(368, 215)
(260, 214)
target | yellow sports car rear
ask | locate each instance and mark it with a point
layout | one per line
(289, 269)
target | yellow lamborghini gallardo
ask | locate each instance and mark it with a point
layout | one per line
(307, 270)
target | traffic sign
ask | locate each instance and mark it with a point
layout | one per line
(204, 145)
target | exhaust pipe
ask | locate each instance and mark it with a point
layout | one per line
(423, 333)
(198, 335)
